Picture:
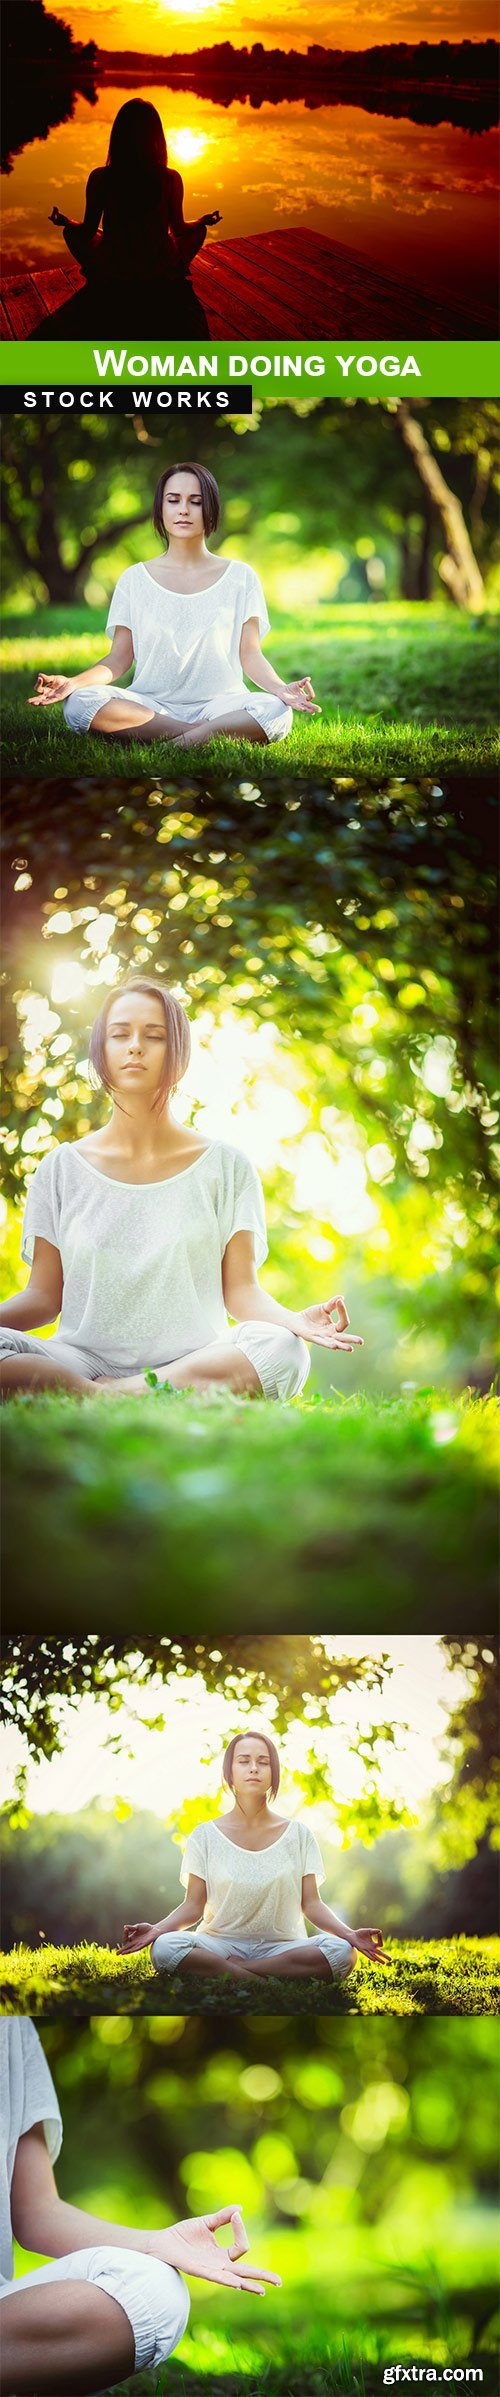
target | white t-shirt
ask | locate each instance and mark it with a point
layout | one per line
(187, 644)
(27, 2095)
(257, 1895)
(142, 1262)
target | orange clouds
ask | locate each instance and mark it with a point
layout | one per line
(161, 26)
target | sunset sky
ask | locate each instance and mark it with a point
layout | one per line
(162, 25)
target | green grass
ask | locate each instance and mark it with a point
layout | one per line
(345, 1513)
(402, 688)
(437, 1976)
(326, 2368)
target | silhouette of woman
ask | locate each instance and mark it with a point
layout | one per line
(142, 255)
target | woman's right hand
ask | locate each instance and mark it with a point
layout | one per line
(55, 217)
(51, 689)
(135, 1937)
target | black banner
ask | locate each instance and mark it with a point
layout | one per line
(202, 399)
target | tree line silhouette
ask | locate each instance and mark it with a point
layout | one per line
(429, 82)
(452, 82)
(43, 70)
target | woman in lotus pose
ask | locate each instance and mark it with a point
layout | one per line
(112, 2301)
(250, 1878)
(140, 260)
(191, 624)
(145, 1239)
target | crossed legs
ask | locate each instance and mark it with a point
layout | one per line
(69, 2336)
(126, 719)
(221, 1366)
(295, 1963)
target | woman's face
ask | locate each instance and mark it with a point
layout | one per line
(182, 506)
(136, 1042)
(251, 1767)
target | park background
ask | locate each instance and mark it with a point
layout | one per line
(363, 2154)
(335, 945)
(112, 1752)
(373, 527)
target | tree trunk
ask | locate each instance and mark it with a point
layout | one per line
(458, 568)
(423, 579)
(406, 581)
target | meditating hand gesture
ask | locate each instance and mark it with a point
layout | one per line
(192, 2247)
(50, 689)
(135, 1937)
(300, 695)
(369, 1943)
(316, 1323)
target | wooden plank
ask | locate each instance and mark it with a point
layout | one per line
(23, 305)
(56, 284)
(268, 277)
(294, 283)
(5, 330)
(338, 282)
(274, 294)
(382, 281)
(250, 308)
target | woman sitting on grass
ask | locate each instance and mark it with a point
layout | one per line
(145, 1238)
(250, 1877)
(139, 263)
(191, 624)
(113, 2301)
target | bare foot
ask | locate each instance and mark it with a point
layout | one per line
(239, 1971)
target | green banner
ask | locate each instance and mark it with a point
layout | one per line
(377, 370)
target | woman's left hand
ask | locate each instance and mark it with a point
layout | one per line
(192, 2247)
(316, 1323)
(300, 695)
(370, 1943)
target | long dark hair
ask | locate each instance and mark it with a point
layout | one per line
(137, 162)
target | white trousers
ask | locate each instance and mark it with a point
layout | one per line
(281, 1359)
(152, 2295)
(169, 1950)
(271, 712)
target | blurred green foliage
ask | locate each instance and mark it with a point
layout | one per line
(345, 1514)
(367, 2181)
(323, 496)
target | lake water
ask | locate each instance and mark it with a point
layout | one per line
(420, 199)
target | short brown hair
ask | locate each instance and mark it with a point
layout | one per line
(227, 1762)
(210, 495)
(178, 1033)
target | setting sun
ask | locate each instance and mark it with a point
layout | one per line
(187, 145)
(160, 25)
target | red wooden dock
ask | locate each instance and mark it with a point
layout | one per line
(295, 286)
